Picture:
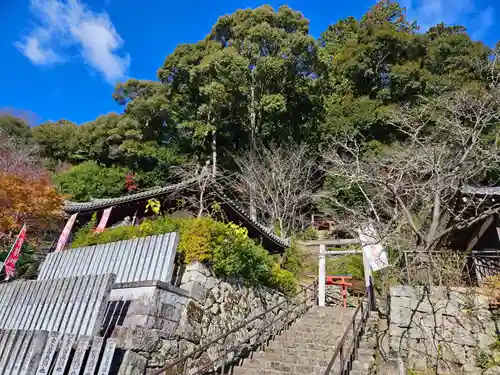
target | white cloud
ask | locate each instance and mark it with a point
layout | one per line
(431, 12)
(63, 24)
(38, 55)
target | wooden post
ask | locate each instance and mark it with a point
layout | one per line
(322, 276)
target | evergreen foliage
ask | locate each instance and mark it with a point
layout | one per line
(226, 247)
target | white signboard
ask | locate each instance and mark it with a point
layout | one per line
(373, 250)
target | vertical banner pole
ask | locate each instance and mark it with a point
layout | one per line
(322, 276)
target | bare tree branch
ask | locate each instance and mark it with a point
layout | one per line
(280, 182)
(417, 183)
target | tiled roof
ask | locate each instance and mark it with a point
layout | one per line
(97, 204)
(262, 228)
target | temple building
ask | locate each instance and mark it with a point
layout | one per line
(131, 208)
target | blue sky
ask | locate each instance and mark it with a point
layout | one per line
(61, 58)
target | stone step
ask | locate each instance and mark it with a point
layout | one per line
(320, 326)
(295, 344)
(308, 352)
(330, 340)
(327, 339)
(309, 357)
(292, 358)
(329, 309)
(259, 371)
(277, 364)
(285, 367)
(300, 352)
(280, 364)
(322, 330)
(319, 331)
(334, 315)
(322, 323)
(324, 345)
(333, 322)
(322, 320)
(308, 346)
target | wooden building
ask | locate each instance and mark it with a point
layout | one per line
(134, 205)
(481, 240)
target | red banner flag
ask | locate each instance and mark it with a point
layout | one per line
(65, 233)
(104, 220)
(15, 252)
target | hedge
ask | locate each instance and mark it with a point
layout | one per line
(226, 247)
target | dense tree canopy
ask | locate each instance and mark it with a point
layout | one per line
(259, 78)
(14, 126)
(89, 180)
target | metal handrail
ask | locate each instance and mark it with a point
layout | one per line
(353, 347)
(242, 325)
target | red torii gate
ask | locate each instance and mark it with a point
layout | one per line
(341, 280)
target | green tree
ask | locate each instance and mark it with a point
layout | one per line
(252, 80)
(56, 139)
(259, 78)
(91, 180)
(382, 61)
(14, 127)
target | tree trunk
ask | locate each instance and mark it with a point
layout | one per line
(253, 209)
(214, 154)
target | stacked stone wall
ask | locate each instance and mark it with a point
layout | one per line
(167, 325)
(444, 330)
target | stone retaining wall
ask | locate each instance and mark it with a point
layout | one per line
(203, 309)
(447, 330)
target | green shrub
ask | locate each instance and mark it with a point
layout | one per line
(300, 261)
(346, 265)
(307, 234)
(283, 279)
(226, 247)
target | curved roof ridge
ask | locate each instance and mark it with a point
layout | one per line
(72, 207)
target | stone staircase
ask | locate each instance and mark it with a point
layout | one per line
(309, 344)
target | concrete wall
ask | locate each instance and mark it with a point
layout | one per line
(448, 330)
(153, 305)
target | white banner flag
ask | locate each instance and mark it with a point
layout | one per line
(374, 252)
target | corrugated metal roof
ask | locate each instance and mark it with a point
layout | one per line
(73, 305)
(140, 259)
